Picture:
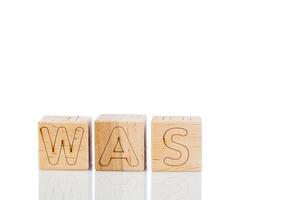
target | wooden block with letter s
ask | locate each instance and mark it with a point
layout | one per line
(64, 142)
(176, 143)
(120, 142)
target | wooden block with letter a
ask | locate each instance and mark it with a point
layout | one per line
(176, 143)
(120, 142)
(64, 142)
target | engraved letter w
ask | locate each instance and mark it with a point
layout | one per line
(59, 141)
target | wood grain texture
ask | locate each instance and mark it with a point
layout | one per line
(120, 142)
(64, 142)
(176, 143)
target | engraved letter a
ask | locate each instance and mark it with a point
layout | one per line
(118, 147)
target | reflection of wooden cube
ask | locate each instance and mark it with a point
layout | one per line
(65, 185)
(182, 185)
(120, 142)
(176, 143)
(120, 186)
(64, 142)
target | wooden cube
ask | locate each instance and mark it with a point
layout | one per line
(176, 143)
(64, 142)
(120, 142)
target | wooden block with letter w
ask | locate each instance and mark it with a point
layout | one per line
(120, 142)
(176, 143)
(64, 142)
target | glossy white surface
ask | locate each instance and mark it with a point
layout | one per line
(78, 185)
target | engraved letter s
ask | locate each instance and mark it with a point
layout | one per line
(180, 148)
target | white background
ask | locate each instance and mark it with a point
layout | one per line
(235, 63)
